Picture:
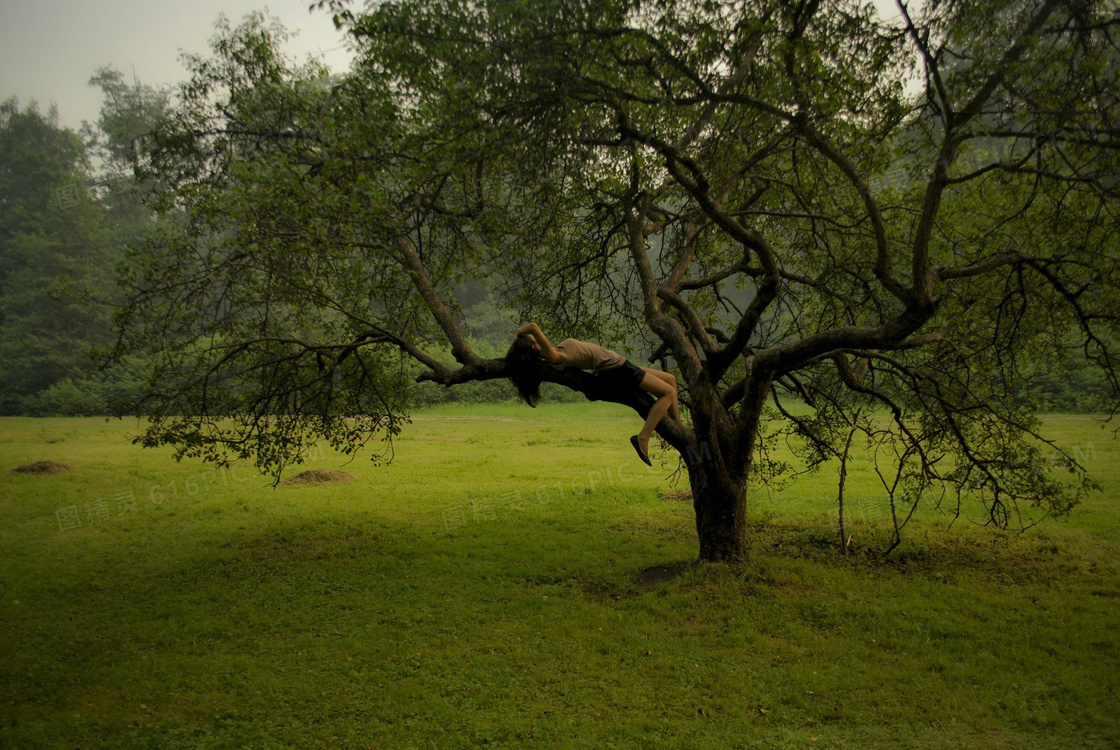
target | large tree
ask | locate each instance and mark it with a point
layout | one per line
(788, 201)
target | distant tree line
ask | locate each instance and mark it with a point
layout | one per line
(62, 223)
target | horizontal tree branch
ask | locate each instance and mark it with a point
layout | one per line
(674, 433)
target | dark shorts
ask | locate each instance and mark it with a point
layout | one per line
(627, 375)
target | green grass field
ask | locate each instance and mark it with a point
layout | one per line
(513, 579)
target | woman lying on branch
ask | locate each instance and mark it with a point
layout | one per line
(609, 367)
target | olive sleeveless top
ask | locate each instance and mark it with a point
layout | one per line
(584, 355)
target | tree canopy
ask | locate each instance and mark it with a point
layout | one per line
(808, 214)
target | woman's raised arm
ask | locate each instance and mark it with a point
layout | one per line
(550, 354)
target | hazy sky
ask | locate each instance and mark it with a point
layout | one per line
(50, 48)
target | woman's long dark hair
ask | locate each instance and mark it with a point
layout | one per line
(522, 368)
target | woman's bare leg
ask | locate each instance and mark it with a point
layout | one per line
(666, 402)
(671, 379)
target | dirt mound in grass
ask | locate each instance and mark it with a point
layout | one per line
(677, 496)
(320, 476)
(44, 467)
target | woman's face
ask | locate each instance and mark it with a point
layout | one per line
(531, 340)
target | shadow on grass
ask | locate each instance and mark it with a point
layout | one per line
(928, 551)
(636, 584)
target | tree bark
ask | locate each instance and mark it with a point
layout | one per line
(719, 499)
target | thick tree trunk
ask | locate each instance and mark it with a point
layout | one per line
(720, 502)
(718, 468)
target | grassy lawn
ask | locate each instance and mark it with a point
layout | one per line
(514, 579)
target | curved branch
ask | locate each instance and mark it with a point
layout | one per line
(415, 266)
(882, 244)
